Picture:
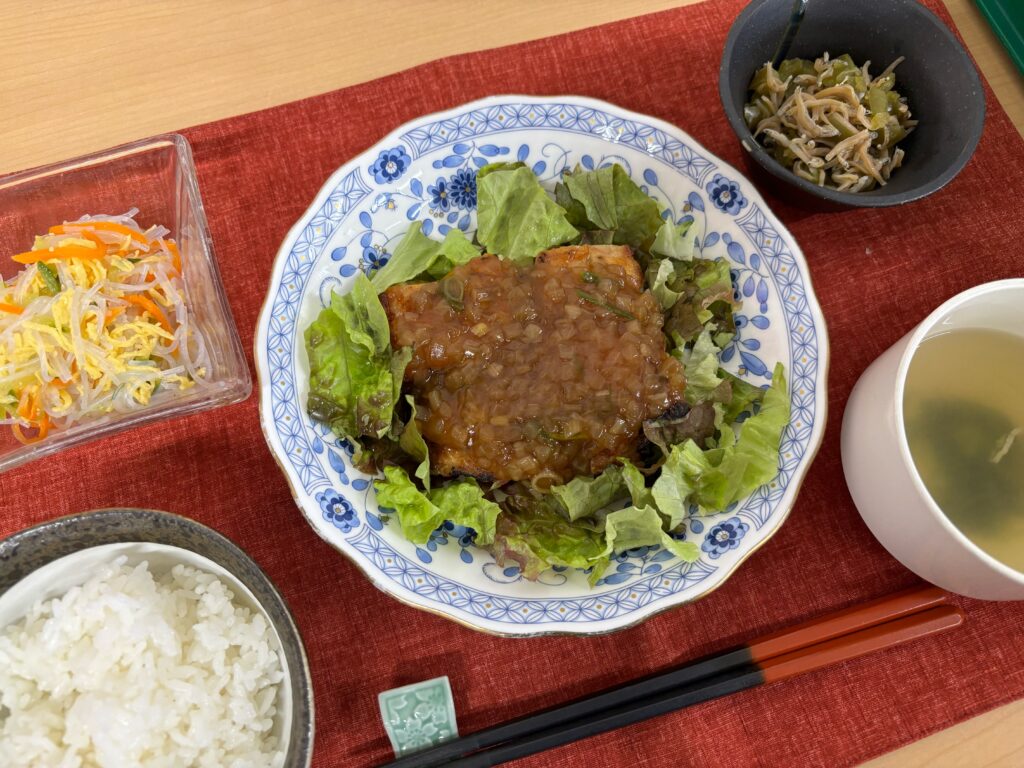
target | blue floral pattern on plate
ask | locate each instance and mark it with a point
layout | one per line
(462, 188)
(440, 201)
(337, 510)
(355, 223)
(726, 195)
(723, 537)
(390, 165)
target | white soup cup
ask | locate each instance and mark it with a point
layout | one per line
(880, 472)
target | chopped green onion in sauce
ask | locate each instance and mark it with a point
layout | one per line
(604, 305)
(453, 291)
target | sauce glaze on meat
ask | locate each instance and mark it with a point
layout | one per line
(536, 373)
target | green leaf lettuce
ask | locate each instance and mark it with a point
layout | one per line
(352, 374)
(412, 442)
(536, 536)
(701, 365)
(634, 527)
(583, 496)
(417, 514)
(719, 476)
(455, 250)
(420, 514)
(417, 255)
(744, 396)
(636, 484)
(675, 241)
(705, 298)
(463, 503)
(663, 272)
(672, 489)
(612, 201)
(516, 219)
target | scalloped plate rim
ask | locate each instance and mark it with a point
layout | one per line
(391, 587)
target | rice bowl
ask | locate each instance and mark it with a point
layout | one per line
(132, 668)
(137, 638)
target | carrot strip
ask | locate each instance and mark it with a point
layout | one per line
(43, 427)
(86, 235)
(61, 252)
(23, 403)
(29, 410)
(175, 254)
(33, 410)
(150, 306)
(101, 226)
(112, 313)
(16, 429)
(12, 308)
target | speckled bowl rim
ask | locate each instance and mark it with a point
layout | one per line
(133, 524)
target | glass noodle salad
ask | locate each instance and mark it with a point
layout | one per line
(96, 321)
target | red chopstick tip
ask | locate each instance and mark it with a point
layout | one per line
(847, 620)
(913, 627)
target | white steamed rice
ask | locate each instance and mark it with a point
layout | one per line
(129, 670)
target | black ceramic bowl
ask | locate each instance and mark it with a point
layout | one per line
(30, 549)
(938, 78)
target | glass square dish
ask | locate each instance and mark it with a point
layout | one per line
(157, 176)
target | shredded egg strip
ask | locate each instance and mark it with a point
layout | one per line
(96, 322)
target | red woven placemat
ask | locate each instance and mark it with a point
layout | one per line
(877, 274)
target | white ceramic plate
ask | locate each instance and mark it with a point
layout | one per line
(426, 171)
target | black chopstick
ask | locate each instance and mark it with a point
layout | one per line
(738, 661)
(654, 685)
(802, 660)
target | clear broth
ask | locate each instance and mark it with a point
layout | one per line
(963, 409)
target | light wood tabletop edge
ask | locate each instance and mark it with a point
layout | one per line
(127, 70)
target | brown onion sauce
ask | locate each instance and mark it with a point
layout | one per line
(538, 373)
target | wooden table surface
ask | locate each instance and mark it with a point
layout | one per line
(124, 70)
